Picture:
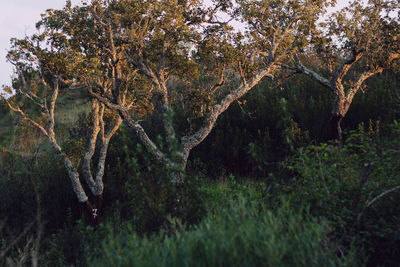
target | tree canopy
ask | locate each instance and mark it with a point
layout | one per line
(136, 57)
(354, 44)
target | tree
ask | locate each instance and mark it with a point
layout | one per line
(182, 44)
(176, 53)
(355, 44)
(45, 64)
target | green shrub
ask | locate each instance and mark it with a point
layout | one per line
(258, 132)
(141, 190)
(241, 233)
(338, 182)
(70, 243)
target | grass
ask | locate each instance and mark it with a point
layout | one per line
(240, 232)
(69, 106)
(19, 137)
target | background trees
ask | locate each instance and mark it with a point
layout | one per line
(354, 44)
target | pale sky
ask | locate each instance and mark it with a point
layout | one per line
(18, 18)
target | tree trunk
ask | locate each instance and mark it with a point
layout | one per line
(336, 130)
(177, 176)
(93, 211)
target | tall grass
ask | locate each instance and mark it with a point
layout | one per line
(241, 233)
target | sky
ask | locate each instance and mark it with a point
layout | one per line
(18, 18)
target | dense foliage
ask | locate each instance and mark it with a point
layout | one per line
(335, 181)
(240, 233)
(354, 187)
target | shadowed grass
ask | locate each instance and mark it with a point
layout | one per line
(239, 233)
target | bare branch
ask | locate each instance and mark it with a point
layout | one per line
(342, 70)
(312, 74)
(220, 82)
(106, 101)
(16, 240)
(372, 201)
(103, 150)
(53, 100)
(98, 19)
(241, 71)
(189, 142)
(114, 128)
(25, 117)
(24, 89)
(125, 91)
(287, 51)
(144, 138)
(280, 34)
(363, 77)
(87, 172)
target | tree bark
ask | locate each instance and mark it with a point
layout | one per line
(336, 130)
(72, 172)
(94, 210)
(87, 159)
(190, 142)
(89, 209)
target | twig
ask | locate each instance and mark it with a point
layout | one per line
(369, 203)
(16, 240)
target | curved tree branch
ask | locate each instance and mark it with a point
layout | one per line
(313, 75)
(372, 201)
(189, 142)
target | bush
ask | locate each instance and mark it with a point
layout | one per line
(338, 182)
(242, 233)
(141, 190)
